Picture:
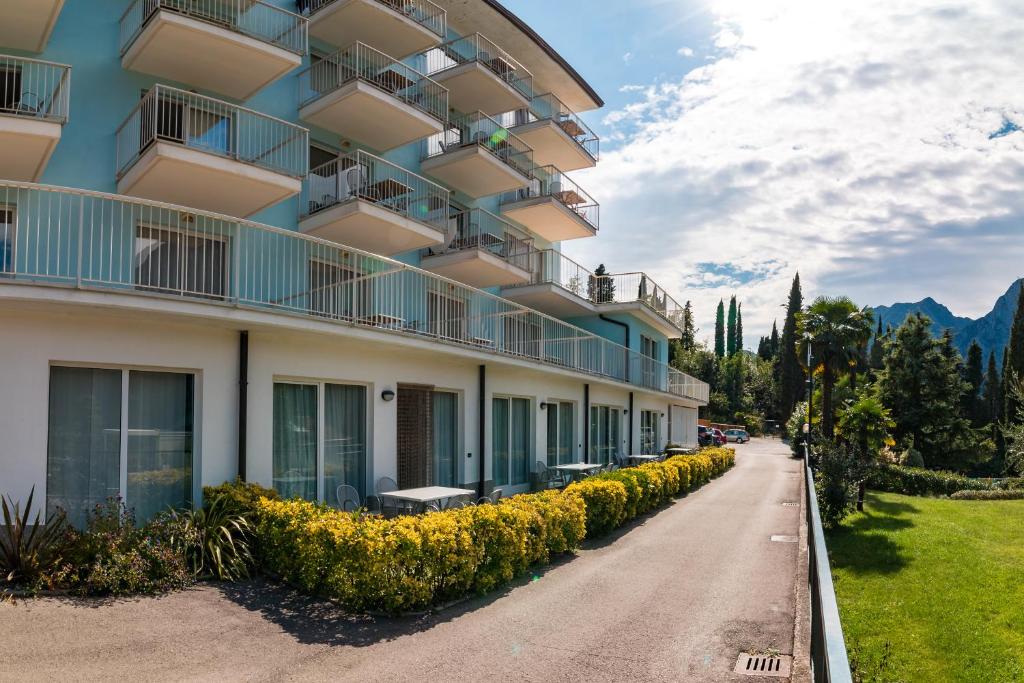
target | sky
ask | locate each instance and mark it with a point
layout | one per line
(875, 146)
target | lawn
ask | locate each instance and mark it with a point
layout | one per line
(941, 581)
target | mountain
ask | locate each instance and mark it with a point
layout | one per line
(992, 330)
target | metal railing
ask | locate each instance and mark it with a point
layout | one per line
(35, 89)
(829, 660)
(682, 384)
(480, 129)
(253, 18)
(78, 238)
(360, 175)
(423, 12)
(202, 123)
(548, 181)
(359, 62)
(477, 48)
(481, 230)
(550, 108)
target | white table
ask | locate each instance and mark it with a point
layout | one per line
(638, 459)
(427, 494)
(578, 468)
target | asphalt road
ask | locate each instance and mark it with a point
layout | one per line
(673, 597)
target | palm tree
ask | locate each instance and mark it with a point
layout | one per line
(837, 331)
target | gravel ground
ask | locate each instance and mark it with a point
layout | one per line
(673, 597)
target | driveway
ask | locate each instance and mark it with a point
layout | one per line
(673, 597)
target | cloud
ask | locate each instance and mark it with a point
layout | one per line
(685, 52)
(875, 146)
(628, 57)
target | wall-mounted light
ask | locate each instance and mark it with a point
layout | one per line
(543, 405)
(387, 395)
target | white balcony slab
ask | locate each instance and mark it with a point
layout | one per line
(343, 22)
(27, 24)
(552, 146)
(25, 146)
(643, 312)
(172, 173)
(474, 171)
(549, 219)
(362, 224)
(551, 299)
(476, 268)
(364, 113)
(207, 56)
(476, 87)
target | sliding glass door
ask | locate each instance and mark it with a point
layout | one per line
(510, 441)
(445, 422)
(344, 439)
(650, 431)
(605, 425)
(295, 440)
(561, 433)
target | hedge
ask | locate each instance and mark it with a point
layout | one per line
(995, 494)
(916, 481)
(413, 562)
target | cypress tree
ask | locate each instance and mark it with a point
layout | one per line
(992, 394)
(730, 331)
(764, 348)
(774, 340)
(1013, 359)
(877, 349)
(720, 330)
(974, 373)
(689, 338)
(739, 327)
(791, 375)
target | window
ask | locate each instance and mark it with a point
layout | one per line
(339, 291)
(11, 92)
(510, 441)
(649, 351)
(446, 316)
(445, 437)
(561, 433)
(605, 423)
(318, 156)
(521, 335)
(650, 432)
(7, 234)
(178, 262)
(90, 455)
(319, 440)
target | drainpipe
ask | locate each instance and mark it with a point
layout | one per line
(631, 451)
(482, 429)
(625, 327)
(586, 423)
(243, 399)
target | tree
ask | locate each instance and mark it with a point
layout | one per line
(764, 348)
(1013, 363)
(730, 332)
(992, 392)
(866, 423)
(739, 328)
(791, 377)
(720, 330)
(974, 375)
(1013, 433)
(600, 287)
(877, 349)
(774, 340)
(689, 336)
(837, 331)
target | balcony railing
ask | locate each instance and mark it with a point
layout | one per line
(477, 48)
(480, 129)
(57, 236)
(550, 108)
(681, 384)
(202, 123)
(253, 18)
(423, 12)
(481, 230)
(548, 181)
(34, 89)
(359, 62)
(360, 175)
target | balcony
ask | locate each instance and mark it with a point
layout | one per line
(369, 203)
(398, 27)
(479, 75)
(366, 96)
(27, 24)
(481, 250)
(231, 47)
(195, 263)
(187, 149)
(641, 297)
(553, 207)
(478, 156)
(34, 102)
(557, 136)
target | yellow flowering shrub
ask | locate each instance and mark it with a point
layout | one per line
(605, 502)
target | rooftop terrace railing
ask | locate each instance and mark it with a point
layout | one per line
(253, 18)
(548, 181)
(549, 108)
(480, 129)
(478, 48)
(361, 175)
(208, 125)
(35, 89)
(481, 230)
(359, 62)
(423, 12)
(90, 240)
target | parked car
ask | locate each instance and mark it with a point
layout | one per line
(704, 436)
(737, 435)
(720, 439)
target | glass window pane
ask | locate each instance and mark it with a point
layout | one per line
(83, 465)
(553, 435)
(160, 436)
(344, 440)
(566, 433)
(499, 441)
(614, 439)
(446, 441)
(295, 435)
(520, 450)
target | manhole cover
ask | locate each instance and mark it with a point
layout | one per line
(784, 539)
(779, 666)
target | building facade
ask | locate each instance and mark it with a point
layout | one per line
(307, 243)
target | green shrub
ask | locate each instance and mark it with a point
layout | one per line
(239, 496)
(214, 539)
(840, 469)
(29, 551)
(915, 481)
(912, 458)
(994, 494)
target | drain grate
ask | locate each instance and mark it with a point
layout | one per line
(779, 666)
(791, 504)
(779, 538)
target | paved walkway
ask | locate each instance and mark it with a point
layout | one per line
(675, 597)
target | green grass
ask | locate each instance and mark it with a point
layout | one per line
(941, 581)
